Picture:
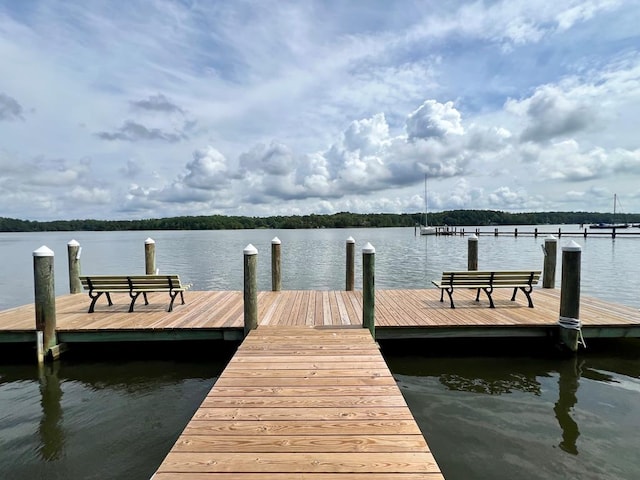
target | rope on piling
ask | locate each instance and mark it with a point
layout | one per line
(572, 324)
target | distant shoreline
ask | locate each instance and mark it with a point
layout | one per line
(451, 218)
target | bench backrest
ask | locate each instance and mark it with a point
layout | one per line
(125, 282)
(495, 278)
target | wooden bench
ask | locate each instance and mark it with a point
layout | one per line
(488, 280)
(134, 285)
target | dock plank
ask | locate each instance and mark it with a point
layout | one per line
(353, 421)
(418, 311)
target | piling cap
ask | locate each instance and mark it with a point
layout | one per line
(368, 248)
(551, 238)
(351, 240)
(572, 246)
(473, 238)
(149, 241)
(250, 250)
(73, 243)
(275, 241)
(43, 251)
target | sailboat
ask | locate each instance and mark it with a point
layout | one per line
(426, 229)
(611, 225)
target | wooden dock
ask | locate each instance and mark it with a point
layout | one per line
(399, 314)
(308, 394)
(303, 402)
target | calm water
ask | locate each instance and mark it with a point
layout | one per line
(528, 414)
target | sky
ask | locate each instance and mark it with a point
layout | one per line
(160, 108)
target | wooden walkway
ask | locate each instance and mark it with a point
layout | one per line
(303, 402)
(398, 313)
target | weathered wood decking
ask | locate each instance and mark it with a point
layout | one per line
(303, 402)
(398, 314)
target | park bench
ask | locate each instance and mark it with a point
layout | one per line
(488, 280)
(134, 285)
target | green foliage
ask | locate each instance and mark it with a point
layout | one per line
(336, 220)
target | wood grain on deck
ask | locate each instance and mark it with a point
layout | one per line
(303, 402)
(393, 309)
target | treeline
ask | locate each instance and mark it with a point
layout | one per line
(337, 220)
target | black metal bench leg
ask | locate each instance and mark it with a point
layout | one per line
(182, 297)
(527, 292)
(478, 295)
(450, 293)
(173, 296)
(513, 297)
(488, 292)
(134, 297)
(144, 295)
(94, 299)
(442, 294)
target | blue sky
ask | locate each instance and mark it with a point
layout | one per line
(146, 109)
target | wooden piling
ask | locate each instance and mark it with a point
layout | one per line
(472, 255)
(550, 260)
(73, 253)
(250, 289)
(350, 264)
(569, 321)
(150, 256)
(45, 300)
(276, 260)
(368, 288)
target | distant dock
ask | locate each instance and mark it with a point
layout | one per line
(515, 231)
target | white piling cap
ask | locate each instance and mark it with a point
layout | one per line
(275, 241)
(149, 241)
(43, 251)
(551, 238)
(250, 250)
(473, 238)
(73, 243)
(368, 248)
(572, 246)
(351, 240)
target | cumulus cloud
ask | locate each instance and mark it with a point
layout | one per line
(274, 159)
(132, 131)
(92, 195)
(10, 109)
(157, 103)
(434, 120)
(207, 171)
(551, 113)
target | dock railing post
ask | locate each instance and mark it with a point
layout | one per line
(276, 261)
(250, 289)
(350, 266)
(472, 255)
(45, 302)
(569, 321)
(368, 288)
(73, 252)
(149, 256)
(550, 260)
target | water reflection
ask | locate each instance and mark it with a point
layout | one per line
(568, 382)
(576, 416)
(50, 429)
